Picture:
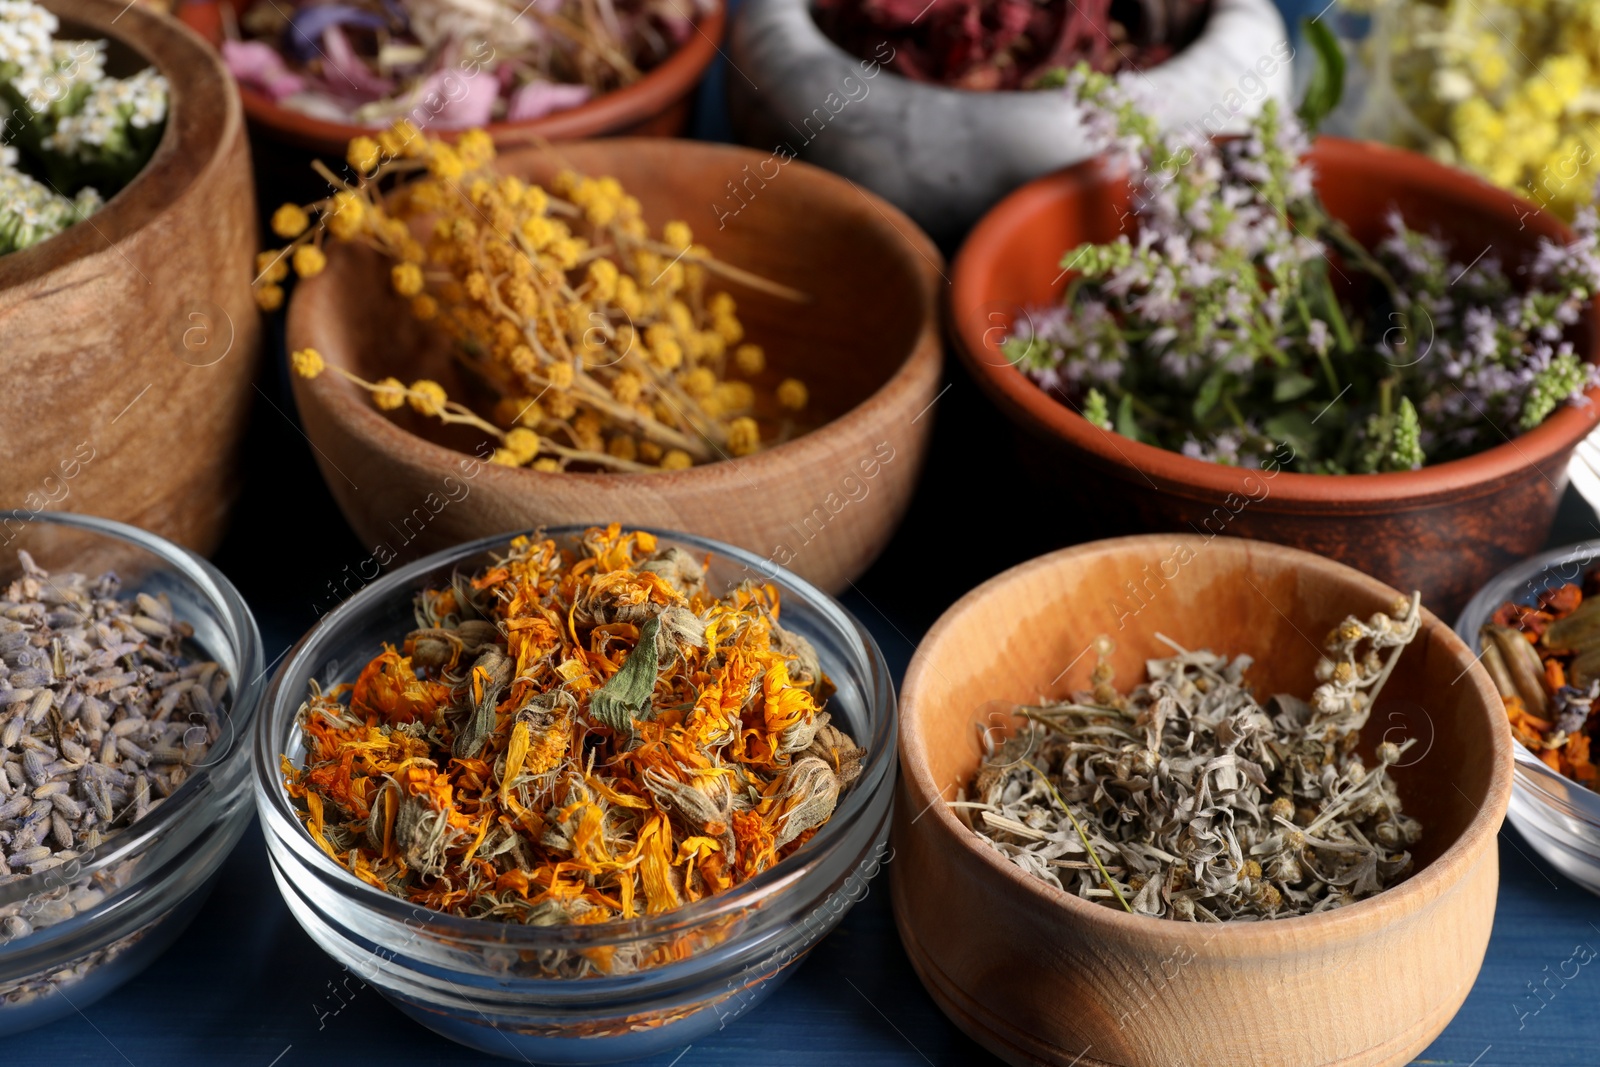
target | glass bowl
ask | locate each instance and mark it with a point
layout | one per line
(491, 985)
(74, 932)
(1560, 818)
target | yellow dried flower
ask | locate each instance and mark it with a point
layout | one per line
(307, 362)
(721, 305)
(345, 215)
(309, 261)
(548, 465)
(649, 452)
(444, 163)
(475, 147)
(676, 460)
(389, 394)
(290, 221)
(504, 457)
(427, 397)
(269, 297)
(271, 267)
(627, 387)
(734, 396)
(677, 234)
(362, 155)
(407, 278)
(559, 375)
(744, 436)
(560, 405)
(793, 394)
(603, 280)
(623, 447)
(424, 307)
(522, 443)
(729, 328)
(700, 382)
(750, 359)
(567, 252)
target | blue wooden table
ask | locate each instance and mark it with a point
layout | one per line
(245, 987)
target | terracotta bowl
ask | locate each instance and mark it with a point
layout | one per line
(128, 343)
(1445, 529)
(657, 104)
(823, 504)
(1040, 976)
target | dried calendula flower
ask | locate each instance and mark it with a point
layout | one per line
(575, 736)
(546, 291)
(1187, 799)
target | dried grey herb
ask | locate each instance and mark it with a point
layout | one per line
(1187, 799)
(103, 710)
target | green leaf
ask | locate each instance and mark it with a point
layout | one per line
(1297, 429)
(628, 694)
(1326, 86)
(1292, 386)
(1126, 425)
(1210, 393)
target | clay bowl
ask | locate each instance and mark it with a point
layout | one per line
(1445, 529)
(128, 343)
(823, 504)
(1043, 977)
(657, 104)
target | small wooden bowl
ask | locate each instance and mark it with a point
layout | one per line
(1041, 976)
(128, 342)
(658, 104)
(823, 504)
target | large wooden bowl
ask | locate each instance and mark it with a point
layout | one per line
(823, 505)
(128, 343)
(1041, 976)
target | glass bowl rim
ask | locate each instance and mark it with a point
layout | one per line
(221, 594)
(876, 772)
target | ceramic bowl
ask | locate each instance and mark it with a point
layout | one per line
(129, 341)
(944, 156)
(1040, 976)
(1444, 529)
(822, 505)
(657, 104)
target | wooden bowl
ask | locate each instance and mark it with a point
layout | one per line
(823, 504)
(658, 104)
(129, 342)
(1041, 976)
(1445, 529)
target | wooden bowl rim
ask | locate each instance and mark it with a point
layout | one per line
(675, 77)
(1466, 477)
(1389, 906)
(347, 403)
(185, 153)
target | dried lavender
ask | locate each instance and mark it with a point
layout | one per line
(1187, 799)
(102, 713)
(1216, 331)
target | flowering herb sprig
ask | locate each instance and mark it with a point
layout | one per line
(1217, 330)
(69, 134)
(605, 344)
